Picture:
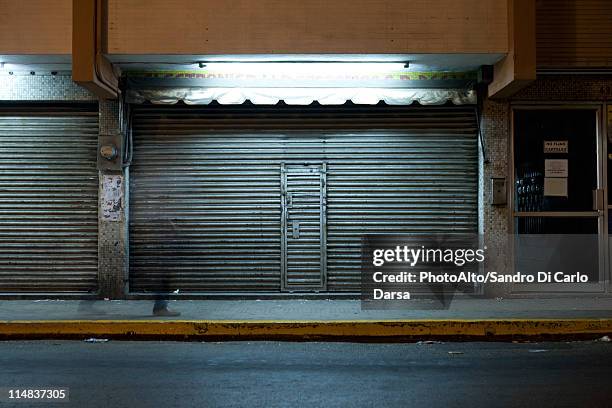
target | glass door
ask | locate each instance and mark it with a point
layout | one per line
(559, 205)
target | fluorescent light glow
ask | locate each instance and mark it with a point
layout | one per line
(305, 68)
(6, 66)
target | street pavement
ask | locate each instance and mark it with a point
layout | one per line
(279, 374)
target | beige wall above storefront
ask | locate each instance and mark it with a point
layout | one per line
(35, 27)
(207, 27)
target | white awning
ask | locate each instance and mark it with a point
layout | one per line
(301, 96)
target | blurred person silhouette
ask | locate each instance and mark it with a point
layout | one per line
(160, 307)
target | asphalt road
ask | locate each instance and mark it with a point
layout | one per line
(267, 374)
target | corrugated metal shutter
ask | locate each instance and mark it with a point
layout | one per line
(206, 191)
(48, 198)
(574, 33)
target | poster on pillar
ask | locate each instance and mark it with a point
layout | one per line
(112, 197)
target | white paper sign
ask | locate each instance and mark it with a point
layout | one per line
(555, 168)
(555, 186)
(555, 146)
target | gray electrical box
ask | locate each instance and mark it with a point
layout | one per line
(498, 191)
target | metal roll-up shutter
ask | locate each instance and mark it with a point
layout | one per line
(48, 198)
(573, 34)
(206, 188)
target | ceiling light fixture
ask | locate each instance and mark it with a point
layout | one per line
(306, 68)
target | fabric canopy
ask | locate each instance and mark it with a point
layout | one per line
(300, 96)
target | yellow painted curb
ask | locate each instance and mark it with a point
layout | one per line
(305, 330)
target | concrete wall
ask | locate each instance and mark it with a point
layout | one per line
(308, 27)
(112, 235)
(495, 126)
(25, 87)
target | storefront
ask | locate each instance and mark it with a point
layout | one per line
(210, 160)
(269, 198)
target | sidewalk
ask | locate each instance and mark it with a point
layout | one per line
(307, 320)
(291, 310)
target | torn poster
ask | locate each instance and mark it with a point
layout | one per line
(112, 197)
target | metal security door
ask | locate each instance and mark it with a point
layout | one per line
(303, 227)
(215, 171)
(48, 198)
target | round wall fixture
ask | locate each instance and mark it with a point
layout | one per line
(108, 151)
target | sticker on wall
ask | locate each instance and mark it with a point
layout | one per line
(555, 186)
(112, 197)
(555, 168)
(556, 146)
